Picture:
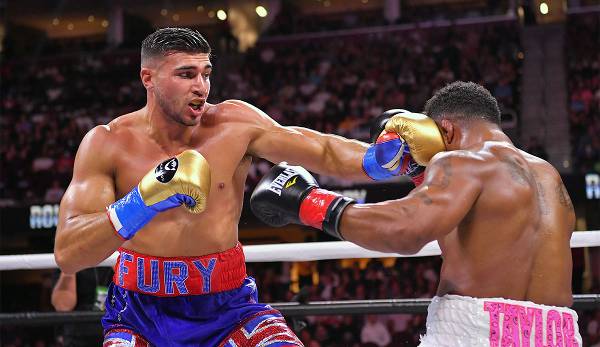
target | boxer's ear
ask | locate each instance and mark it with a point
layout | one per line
(146, 75)
(448, 131)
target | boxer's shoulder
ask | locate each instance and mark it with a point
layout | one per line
(125, 124)
(99, 137)
(239, 111)
(104, 141)
(95, 151)
(539, 163)
(457, 158)
(460, 166)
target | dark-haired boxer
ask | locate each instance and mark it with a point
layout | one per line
(180, 279)
(502, 217)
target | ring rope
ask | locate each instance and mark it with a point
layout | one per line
(288, 309)
(283, 252)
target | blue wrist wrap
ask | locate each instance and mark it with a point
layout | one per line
(129, 214)
(373, 169)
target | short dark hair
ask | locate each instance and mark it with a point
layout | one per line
(169, 40)
(463, 100)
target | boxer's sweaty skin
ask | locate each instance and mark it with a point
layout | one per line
(113, 158)
(503, 219)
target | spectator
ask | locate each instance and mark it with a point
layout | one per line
(374, 331)
(54, 193)
(84, 291)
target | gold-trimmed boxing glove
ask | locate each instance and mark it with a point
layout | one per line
(181, 180)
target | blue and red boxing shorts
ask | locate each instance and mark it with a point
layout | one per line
(189, 301)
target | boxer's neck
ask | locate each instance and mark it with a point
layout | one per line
(476, 133)
(171, 136)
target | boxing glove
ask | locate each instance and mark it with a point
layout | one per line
(290, 194)
(378, 125)
(388, 157)
(181, 180)
(420, 133)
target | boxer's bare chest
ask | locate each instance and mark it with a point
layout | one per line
(226, 155)
(228, 162)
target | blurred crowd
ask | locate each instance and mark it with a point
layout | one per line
(293, 19)
(401, 278)
(335, 86)
(47, 108)
(583, 58)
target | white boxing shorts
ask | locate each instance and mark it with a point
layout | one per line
(454, 320)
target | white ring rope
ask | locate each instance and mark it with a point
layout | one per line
(283, 252)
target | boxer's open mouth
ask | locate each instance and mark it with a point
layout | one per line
(196, 104)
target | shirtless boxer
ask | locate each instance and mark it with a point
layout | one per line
(502, 217)
(180, 279)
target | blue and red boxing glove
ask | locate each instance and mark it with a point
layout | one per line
(390, 156)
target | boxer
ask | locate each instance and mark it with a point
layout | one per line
(502, 217)
(164, 185)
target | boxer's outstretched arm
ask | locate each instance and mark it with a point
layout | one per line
(326, 154)
(429, 212)
(85, 236)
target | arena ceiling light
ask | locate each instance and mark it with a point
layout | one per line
(544, 8)
(222, 15)
(261, 11)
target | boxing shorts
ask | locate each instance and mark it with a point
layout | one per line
(189, 301)
(454, 320)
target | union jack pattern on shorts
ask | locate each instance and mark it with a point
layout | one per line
(124, 338)
(265, 329)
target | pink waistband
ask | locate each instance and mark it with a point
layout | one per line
(175, 276)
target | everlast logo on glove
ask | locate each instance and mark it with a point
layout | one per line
(281, 179)
(298, 200)
(165, 171)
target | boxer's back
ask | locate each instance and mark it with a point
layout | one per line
(514, 243)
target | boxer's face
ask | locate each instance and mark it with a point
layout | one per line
(181, 83)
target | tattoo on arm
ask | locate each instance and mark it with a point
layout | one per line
(442, 180)
(541, 194)
(563, 196)
(425, 198)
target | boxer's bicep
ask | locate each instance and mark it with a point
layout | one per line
(84, 235)
(89, 195)
(92, 186)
